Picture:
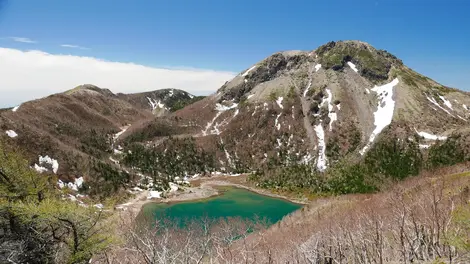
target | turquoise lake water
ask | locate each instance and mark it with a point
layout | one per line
(233, 202)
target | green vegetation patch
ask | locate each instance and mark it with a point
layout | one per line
(173, 158)
(448, 152)
(372, 64)
(33, 212)
(96, 143)
(176, 105)
(156, 128)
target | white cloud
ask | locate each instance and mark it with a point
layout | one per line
(28, 75)
(73, 46)
(23, 40)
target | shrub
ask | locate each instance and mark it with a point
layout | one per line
(351, 179)
(448, 152)
(395, 158)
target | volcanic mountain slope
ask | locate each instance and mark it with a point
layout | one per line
(319, 107)
(80, 123)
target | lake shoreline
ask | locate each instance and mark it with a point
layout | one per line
(203, 188)
(208, 188)
(230, 202)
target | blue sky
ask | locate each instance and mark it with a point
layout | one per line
(431, 36)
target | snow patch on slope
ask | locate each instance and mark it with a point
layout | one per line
(332, 115)
(227, 155)
(46, 160)
(76, 184)
(118, 151)
(123, 129)
(306, 159)
(216, 130)
(266, 106)
(254, 112)
(385, 108)
(352, 66)
(11, 133)
(317, 67)
(430, 136)
(248, 71)
(173, 187)
(15, 108)
(154, 194)
(113, 160)
(221, 107)
(276, 122)
(236, 112)
(432, 100)
(155, 103)
(39, 168)
(279, 102)
(60, 184)
(446, 102)
(308, 87)
(321, 160)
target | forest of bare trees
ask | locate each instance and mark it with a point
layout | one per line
(193, 241)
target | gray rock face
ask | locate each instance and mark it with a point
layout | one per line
(269, 69)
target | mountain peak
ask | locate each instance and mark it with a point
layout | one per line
(89, 89)
(371, 63)
(375, 65)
